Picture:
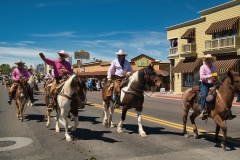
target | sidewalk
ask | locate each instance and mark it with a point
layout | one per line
(179, 97)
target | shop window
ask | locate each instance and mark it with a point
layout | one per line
(190, 79)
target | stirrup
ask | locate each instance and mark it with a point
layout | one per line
(203, 115)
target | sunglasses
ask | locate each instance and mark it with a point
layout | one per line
(61, 55)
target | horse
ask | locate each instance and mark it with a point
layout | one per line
(64, 99)
(220, 107)
(7, 83)
(132, 96)
(47, 96)
(21, 98)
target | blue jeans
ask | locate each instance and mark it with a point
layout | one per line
(204, 88)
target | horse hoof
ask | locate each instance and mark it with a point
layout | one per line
(47, 125)
(223, 146)
(186, 135)
(112, 126)
(195, 136)
(119, 130)
(57, 130)
(143, 134)
(73, 129)
(68, 139)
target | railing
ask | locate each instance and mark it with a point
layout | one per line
(188, 48)
(222, 43)
(173, 50)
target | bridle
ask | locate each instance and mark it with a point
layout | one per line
(232, 87)
(147, 77)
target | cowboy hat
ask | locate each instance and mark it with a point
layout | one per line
(65, 54)
(19, 62)
(121, 52)
(209, 56)
(29, 68)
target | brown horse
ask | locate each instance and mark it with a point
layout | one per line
(220, 107)
(132, 96)
(21, 98)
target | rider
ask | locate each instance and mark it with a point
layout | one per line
(122, 69)
(31, 74)
(18, 74)
(61, 67)
(208, 74)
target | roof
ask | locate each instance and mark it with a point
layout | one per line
(224, 25)
(190, 33)
(142, 55)
(188, 65)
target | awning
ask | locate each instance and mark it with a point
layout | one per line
(223, 25)
(190, 33)
(188, 65)
(223, 63)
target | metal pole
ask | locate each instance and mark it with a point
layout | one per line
(170, 77)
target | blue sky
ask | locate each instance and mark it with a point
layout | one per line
(101, 27)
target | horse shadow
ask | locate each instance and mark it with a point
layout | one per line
(87, 134)
(30, 117)
(38, 93)
(88, 119)
(232, 143)
(39, 104)
(133, 129)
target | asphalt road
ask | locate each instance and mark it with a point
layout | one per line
(162, 122)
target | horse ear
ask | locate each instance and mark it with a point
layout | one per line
(230, 73)
(151, 65)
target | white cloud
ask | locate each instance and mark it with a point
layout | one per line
(60, 34)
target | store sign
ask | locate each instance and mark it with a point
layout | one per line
(142, 63)
(81, 55)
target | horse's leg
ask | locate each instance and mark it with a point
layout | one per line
(124, 112)
(219, 122)
(75, 123)
(185, 115)
(216, 133)
(111, 115)
(65, 123)
(195, 130)
(105, 115)
(48, 114)
(57, 120)
(140, 128)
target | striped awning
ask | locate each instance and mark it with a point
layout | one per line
(190, 33)
(223, 63)
(188, 65)
(223, 25)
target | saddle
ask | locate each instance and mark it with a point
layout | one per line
(192, 94)
(122, 81)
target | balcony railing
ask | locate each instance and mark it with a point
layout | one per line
(173, 50)
(188, 48)
(222, 43)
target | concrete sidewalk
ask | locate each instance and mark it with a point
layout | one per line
(179, 97)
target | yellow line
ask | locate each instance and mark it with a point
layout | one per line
(163, 122)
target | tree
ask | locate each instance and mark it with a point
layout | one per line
(5, 68)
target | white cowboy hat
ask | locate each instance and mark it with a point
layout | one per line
(19, 62)
(209, 56)
(121, 52)
(66, 55)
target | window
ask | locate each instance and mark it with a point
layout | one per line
(225, 33)
(191, 40)
(190, 79)
(174, 42)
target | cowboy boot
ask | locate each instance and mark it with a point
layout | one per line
(9, 100)
(231, 116)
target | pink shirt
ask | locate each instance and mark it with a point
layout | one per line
(117, 68)
(18, 74)
(206, 73)
(57, 65)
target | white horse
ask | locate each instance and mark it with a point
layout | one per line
(31, 82)
(64, 99)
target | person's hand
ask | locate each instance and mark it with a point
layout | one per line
(42, 56)
(109, 80)
(128, 74)
(63, 70)
(215, 74)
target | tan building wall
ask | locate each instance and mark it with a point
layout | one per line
(200, 37)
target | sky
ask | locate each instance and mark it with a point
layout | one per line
(100, 27)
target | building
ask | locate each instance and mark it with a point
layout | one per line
(99, 69)
(216, 32)
(40, 67)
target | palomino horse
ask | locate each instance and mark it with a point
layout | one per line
(21, 98)
(64, 99)
(132, 96)
(220, 107)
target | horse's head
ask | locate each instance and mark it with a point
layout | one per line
(151, 76)
(233, 82)
(74, 81)
(20, 92)
(82, 88)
